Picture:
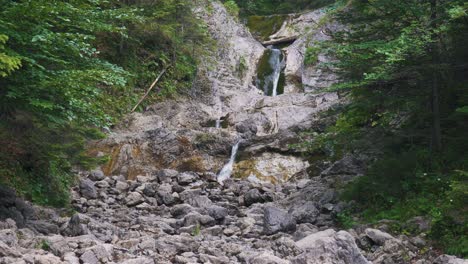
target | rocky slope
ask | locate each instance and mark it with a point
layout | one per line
(157, 199)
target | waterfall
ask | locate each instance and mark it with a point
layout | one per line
(218, 123)
(269, 70)
(226, 171)
(276, 64)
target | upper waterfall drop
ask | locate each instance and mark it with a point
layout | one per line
(226, 171)
(276, 64)
(270, 77)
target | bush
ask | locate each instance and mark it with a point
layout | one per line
(232, 8)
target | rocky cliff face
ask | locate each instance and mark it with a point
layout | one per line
(181, 134)
(157, 199)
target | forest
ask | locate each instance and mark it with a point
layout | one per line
(70, 71)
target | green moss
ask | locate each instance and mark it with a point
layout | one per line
(264, 26)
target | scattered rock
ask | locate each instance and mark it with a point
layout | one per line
(377, 236)
(87, 189)
(134, 198)
(329, 247)
(277, 220)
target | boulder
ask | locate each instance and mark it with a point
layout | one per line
(266, 258)
(87, 189)
(329, 247)
(277, 220)
(253, 196)
(76, 226)
(377, 236)
(134, 198)
(447, 259)
(43, 227)
(305, 213)
(217, 212)
(96, 175)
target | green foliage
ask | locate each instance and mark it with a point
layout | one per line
(72, 68)
(269, 7)
(7, 63)
(44, 245)
(311, 55)
(390, 57)
(264, 26)
(232, 8)
(345, 220)
(197, 230)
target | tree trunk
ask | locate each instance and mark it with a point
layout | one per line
(436, 142)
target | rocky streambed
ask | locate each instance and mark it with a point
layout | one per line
(173, 217)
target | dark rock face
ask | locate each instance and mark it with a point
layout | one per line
(277, 220)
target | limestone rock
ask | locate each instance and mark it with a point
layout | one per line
(87, 189)
(134, 198)
(329, 247)
(277, 220)
(378, 236)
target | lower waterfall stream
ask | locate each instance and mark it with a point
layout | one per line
(226, 171)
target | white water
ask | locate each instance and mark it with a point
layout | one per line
(226, 171)
(276, 64)
(218, 123)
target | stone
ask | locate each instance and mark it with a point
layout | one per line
(266, 258)
(9, 237)
(180, 210)
(96, 175)
(447, 259)
(305, 213)
(140, 260)
(71, 258)
(167, 175)
(76, 226)
(134, 198)
(121, 186)
(186, 178)
(377, 236)
(87, 189)
(43, 227)
(277, 220)
(253, 196)
(217, 212)
(329, 247)
(89, 258)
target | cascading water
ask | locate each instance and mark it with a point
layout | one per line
(226, 171)
(218, 123)
(276, 64)
(269, 71)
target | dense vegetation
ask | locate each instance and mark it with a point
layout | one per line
(404, 67)
(269, 7)
(71, 68)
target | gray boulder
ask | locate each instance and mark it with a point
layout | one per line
(96, 175)
(377, 236)
(253, 196)
(87, 189)
(447, 259)
(277, 220)
(134, 198)
(305, 213)
(329, 247)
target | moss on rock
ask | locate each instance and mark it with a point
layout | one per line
(264, 26)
